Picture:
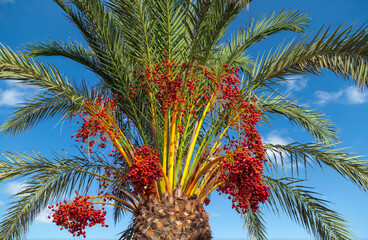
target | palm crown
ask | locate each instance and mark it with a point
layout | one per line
(179, 110)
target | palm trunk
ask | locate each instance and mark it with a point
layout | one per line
(173, 217)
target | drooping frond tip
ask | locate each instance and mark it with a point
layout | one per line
(242, 3)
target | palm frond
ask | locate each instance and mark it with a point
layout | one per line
(317, 124)
(101, 31)
(128, 233)
(48, 181)
(255, 225)
(260, 29)
(39, 108)
(15, 66)
(169, 31)
(206, 23)
(58, 95)
(136, 27)
(69, 49)
(304, 207)
(342, 51)
(346, 164)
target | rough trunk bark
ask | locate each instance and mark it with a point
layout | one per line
(174, 217)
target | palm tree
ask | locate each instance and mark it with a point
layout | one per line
(177, 119)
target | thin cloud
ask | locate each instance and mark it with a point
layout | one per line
(276, 137)
(13, 187)
(13, 93)
(326, 97)
(10, 97)
(6, 1)
(43, 216)
(350, 95)
(354, 96)
(296, 83)
(1, 203)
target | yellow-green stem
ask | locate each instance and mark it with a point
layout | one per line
(164, 157)
(172, 146)
(166, 180)
(205, 181)
(105, 203)
(193, 141)
(199, 175)
(116, 198)
(223, 132)
(121, 150)
(209, 192)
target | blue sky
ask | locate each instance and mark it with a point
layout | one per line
(25, 21)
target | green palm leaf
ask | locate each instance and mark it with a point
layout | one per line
(345, 163)
(342, 51)
(58, 97)
(258, 30)
(317, 124)
(303, 206)
(48, 180)
(255, 225)
(69, 49)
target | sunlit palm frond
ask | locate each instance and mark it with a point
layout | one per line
(136, 28)
(38, 109)
(260, 29)
(206, 23)
(69, 49)
(48, 180)
(169, 30)
(15, 66)
(101, 31)
(304, 207)
(255, 225)
(298, 155)
(342, 51)
(317, 124)
(58, 96)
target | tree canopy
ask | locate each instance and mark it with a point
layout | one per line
(179, 103)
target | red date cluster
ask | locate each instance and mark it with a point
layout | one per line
(242, 172)
(76, 215)
(243, 179)
(169, 81)
(229, 90)
(175, 83)
(168, 76)
(97, 121)
(144, 171)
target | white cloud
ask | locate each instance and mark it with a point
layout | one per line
(275, 137)
(42, 217)
(13, 187)
(10, 97)
(350, 95)
(326, 97)
(296, 83)
(6, 1)
(355, 96)
(1, 203)
(14, 92)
